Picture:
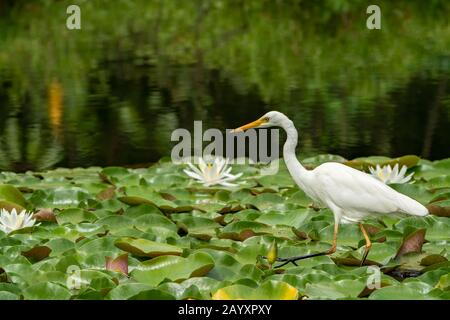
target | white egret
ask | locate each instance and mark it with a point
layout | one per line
(351, 195)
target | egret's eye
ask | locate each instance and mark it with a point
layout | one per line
(266, 119)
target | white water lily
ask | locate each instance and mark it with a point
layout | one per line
(11, 221)
(391, 175)
(212, 172)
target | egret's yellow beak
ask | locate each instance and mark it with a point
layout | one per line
(250, 125)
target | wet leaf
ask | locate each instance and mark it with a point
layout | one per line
(197, 227)
(45, 215)
(127, 290)
(440, 209)
(12, 196)
(152, 294)
(242, 230)
(412, 242)
(432, 259)
(37, 253)
(269, 290)
(399, 292)
(46, 291)
(74, 216)
(147, 248)
(9, 206)
(107, 194)
(187, 242)
(341, 289)
(444, 282)
(175, 268)
(119, 264)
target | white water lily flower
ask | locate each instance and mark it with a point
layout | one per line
(10, 221)
(391, 175)
(213, 172)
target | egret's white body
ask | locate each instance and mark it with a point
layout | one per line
(351, 195)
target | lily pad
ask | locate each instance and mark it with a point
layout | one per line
(147, 248)
(242, 230)
(74, 216)
(46, 291)
(11, 196)
(412, 242)
(176, 269)
(269, 290)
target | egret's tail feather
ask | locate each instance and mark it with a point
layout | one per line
(412, 207)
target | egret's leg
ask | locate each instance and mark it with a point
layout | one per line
(368, 243)
(332, 250)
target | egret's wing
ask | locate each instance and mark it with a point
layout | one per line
(357, 191)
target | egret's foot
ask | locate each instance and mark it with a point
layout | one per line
(293, 260)
(281, 259)
(366, 253)
(368, 243)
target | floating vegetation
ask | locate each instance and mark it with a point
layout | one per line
(153, 233)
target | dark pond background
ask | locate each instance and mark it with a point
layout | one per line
(112, 92)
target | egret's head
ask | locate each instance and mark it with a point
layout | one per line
(270, 119)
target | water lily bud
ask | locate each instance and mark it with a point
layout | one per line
(272, 255)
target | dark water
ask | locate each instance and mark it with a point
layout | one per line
(120, 128)
(124, 108)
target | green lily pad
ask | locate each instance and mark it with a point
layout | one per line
(416, 192)
(399, 292)
(179, 240)
(152, 294)
(175, 268)
(147, 248)
(444, 282)
(147, 221)
(242, 230)
(197, 227)
(5, 295)
(46, 291)
(127, 290)
(11, 196)
(365, 163)
(74, 216)
(342, 289)
(269, 290)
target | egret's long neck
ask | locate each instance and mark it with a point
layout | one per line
(297, 171)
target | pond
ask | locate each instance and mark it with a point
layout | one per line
(104, 100)
(111, 94)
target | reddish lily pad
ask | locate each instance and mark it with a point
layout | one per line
(119, 264)
(412, 242)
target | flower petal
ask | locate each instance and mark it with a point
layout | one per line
(193, 175)
(402, 171)
(395, 170)
(202, 164)
(194, 168)
(227, 184)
